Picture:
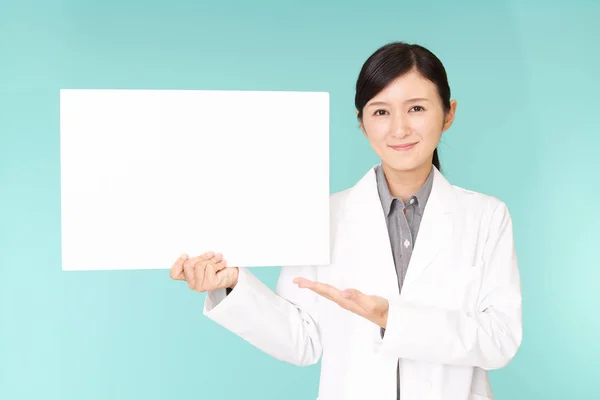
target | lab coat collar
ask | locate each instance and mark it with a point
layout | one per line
(437, 225)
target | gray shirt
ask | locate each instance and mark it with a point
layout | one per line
(403, 221)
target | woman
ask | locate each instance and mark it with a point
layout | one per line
(391, 316)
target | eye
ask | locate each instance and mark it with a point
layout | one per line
(380, 112)
(417, 109)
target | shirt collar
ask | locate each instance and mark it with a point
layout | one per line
(420, 198)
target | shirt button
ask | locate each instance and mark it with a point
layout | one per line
(412, 201)
(406, 243)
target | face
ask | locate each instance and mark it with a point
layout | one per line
(404, 122)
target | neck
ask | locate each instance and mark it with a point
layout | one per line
(404, 184)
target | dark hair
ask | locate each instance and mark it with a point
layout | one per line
(394, 60)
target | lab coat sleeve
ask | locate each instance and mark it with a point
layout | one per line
(283, 323)
(489, 336)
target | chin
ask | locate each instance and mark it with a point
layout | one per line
(409, 161)
(402, 165)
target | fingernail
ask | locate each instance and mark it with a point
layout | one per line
(219, 255)
(184, 256)
(346, 294)
(210, 254)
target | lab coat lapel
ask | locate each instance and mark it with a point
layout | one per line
(375, 261)
(372, 254)
(367, 255)
(436, 229)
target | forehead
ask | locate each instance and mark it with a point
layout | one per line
(407, 86)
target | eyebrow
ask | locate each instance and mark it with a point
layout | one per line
(383, 103)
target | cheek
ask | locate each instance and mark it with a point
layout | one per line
(428, 129)
(377, 129)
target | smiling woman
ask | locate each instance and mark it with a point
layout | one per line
(390, 320)
(395, 82)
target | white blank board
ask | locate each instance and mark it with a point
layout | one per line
(149, 174)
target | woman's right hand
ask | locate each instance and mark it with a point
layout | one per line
(206, 272)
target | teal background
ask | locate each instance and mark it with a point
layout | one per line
(525, 75)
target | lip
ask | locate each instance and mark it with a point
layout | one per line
(404, 147)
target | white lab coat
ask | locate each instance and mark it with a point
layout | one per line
(459, 314)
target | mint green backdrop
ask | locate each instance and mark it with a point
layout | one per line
(525, 75)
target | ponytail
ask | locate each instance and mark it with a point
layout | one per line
(436, 160)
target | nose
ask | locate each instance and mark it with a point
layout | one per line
(400, 127)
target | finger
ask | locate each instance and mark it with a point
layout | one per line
(327, 291)
(334, 294)
(199, 275)
(177, 268)
(188, 272)
(210, 281)
(304, 283)
(220, 265)
(205, 257)
(319, 287)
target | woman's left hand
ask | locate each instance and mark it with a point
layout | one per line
(373, 308)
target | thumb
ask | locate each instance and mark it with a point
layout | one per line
(362, 300)
(227, 277)
(352, 294)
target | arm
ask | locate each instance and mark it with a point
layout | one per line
(487, 338)
(282, 324)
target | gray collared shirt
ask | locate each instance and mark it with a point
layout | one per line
(403, 221)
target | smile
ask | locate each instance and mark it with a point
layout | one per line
(404, 147)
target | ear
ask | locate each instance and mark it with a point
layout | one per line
(449, 119)
(361, 126)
